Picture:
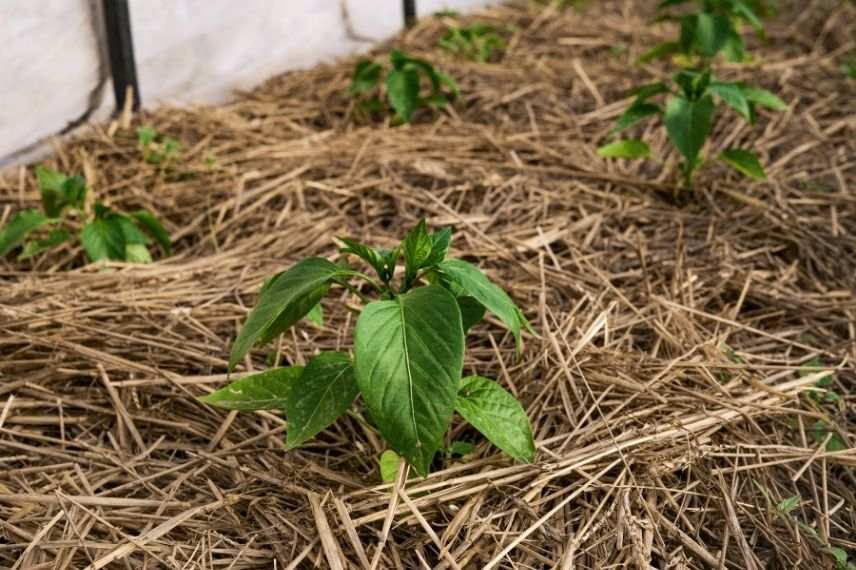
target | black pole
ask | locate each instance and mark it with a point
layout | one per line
(409, 12)
(120, 46)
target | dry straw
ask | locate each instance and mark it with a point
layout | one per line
(664, 390)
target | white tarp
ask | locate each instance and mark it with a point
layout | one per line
(53, 75)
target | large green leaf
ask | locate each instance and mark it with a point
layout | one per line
(266, 390)
(477, 285)
(402, 87)
(325, 391)
(154, 227)
(497, 415)
(745, 162)
(103, 238)
(301, 307)
(688, 123)
(408, 355)
(19, 227)
(288, 292)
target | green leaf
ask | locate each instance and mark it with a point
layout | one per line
(645, 92)
(19, 227)
(146, 136)
(418, 247)
(316, 315)
(389, 462)
(50, 184)
(785, 506)
(366, 77)
(634, 114)
(734, 48)
(688, 123)
(712, 32)
(764, 98)
(462, 448)
(55, 238)
(154, 227)
(497, 415)
(300, 308)
(103, 239)
(288, 292)
(744, 162)
(477, 285)
(326, 390)
(74, 191)
(409, 355)
(402, 88)
(659, 51)
(629, 148)
(131, 233)
(267, 390)
(440, 241)
(748, 15)
(733, 96)
(368, 254)
(472, 312)
(137, 253)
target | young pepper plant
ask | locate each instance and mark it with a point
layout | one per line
(105, 233)
(688, 115)
(404, 86)
(477, 42)
(408, 350)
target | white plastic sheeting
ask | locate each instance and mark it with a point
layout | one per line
(53, 74)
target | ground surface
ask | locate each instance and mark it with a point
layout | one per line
(664, 390)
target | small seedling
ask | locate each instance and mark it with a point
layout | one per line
(820, 393)
(688, 114)
(408, 350)
(819, 432)
(477, 42)
(105, 233)
(156, 149)
(409, 85)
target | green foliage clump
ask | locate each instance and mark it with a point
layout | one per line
(156, 149)
(103, 233)
(693, 93)
(408, 351)
(477, 42)
(408, 85)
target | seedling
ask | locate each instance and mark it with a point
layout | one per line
(477, 42)
(409, 85)
(408, 350)
(712, 29)
(157, 149)
(105, 233)
(821, 392)
(688, 115)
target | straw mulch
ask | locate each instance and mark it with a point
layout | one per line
(673, 424)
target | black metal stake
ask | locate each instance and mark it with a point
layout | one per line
(409, 12)
(120, 46)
